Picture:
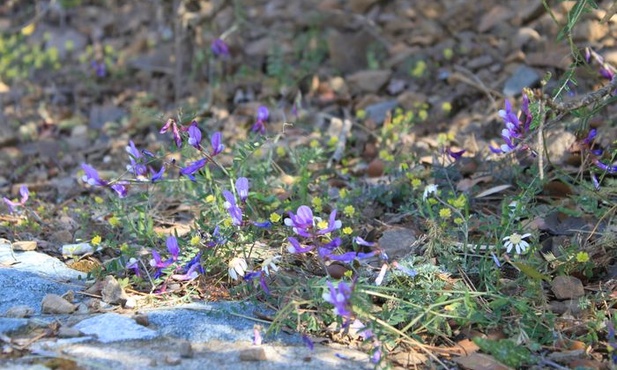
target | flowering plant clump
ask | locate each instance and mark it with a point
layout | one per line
(516, 128)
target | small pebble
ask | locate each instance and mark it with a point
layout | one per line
(253, 354)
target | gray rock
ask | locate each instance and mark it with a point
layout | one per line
(112, 292)
(54, 304)
(377, 112)
(368, 81)
(19, 312)
(523, 77)
(21, 288)
(567, 287)
(112, 327)
(397, 242)
(9, 324)
(38, 263)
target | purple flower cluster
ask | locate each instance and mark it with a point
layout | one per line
(231, 206)
(305, 225)
(606, 70)
(189, 271)
(91, 177)
(340, 298)
(219, 48)
(25, 194)
(262, 117)
(516, 129)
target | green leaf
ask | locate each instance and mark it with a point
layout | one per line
(506, 352)
(530, 271)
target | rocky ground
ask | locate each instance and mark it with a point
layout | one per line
(330, 59)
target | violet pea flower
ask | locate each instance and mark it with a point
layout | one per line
(217, 146)
(340, 298)
(219, 48)
(194, 135)
(171, 124)
(333, 224)
(232, 208)
(296, 247)
(25, 194)
(242, 188)
(189, 171)
(262, 117)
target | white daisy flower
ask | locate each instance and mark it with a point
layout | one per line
(428, 190)
(270, 263)
(237, 268)
(516, 240)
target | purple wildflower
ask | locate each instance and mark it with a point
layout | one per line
(232, 208)
(302, 221)
(25, 194)
(595, 182)
(361, 241)
(263, 224)
(138, 169)
(456, 155)
(191, 274)
(189, 171)
(158, 262)
(340, 298)
(219, 48)
(171, 124)
(173, 247)
(133, 264)
(217, 146)
(252, 275)
(262, 117)
(333, 224)
(242, 188)
(157, 176)
(194, 135)
(257, 339)
(308, 342)
(296, 247)
(516, 128)
(99, 68)
(91, 176)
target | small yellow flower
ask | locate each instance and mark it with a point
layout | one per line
(333, 140)
(404, 166)
(195, 240)
(96, 240)
(419, 69)
(29, 29)
(445, 213)
(361, 114)
(448, 53)
(423, 115)
(98, 200)
(114, 221)
(317, 204)
(347, 230)
(582, 257)
(458, 203)
(314, 143)
(416, 183)
(280, 151)
(227, 222)
(275, 217)
(459, 221)
(343, 193)
(349, 211)
(210, 199)
(446, 107)
(323, 224)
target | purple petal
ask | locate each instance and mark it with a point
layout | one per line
(242, 188)
(217, 147)
(262, 113)
(120, 189)
(194, 135)
(173, 247)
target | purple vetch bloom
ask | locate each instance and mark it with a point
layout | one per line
(595, 182)
(25, 194)
(252, 275)
(217, 146)
(91, 177)
(308, 342)
(606, 72)
(173, 126)
(232, 208)
(263, 224)
(194, 135)
(361, 241)
(326, 253)
(516, 128)
(296, 247)
(456, 155)
(242, 188)
(191, 274)
(157, 176)
(262, 117)
(257, 339)
(495, 260)
(304, 224)
(133, 264)
(340, 298)
(173, 247)
(189, 171)
(219, 48)
(99, 68)
(138, 169)
(158, 262)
